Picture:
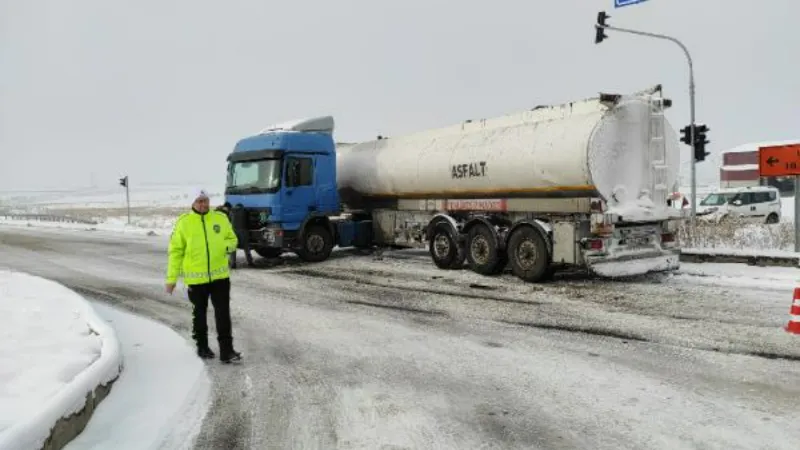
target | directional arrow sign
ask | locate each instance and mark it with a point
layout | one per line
(622, 3)
(779, 160)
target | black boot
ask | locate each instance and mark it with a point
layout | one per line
(226, 352)
(230, 356)
(205, 353)
(203, 350)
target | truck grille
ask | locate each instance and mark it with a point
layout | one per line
(258, 218)
(251, 218)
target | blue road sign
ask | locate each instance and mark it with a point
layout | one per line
(621, 3)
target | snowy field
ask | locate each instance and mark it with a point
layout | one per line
(146, 196)
(54, 350)
(159, 225)
(153, 208)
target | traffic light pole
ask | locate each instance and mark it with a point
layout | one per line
(128, 201)
(691, 101)
(124, 182)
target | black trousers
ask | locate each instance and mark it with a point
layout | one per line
(220, 293)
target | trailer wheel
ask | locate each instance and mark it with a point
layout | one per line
(482, 252)
(527, 252)
(445, 251)
(317, 244)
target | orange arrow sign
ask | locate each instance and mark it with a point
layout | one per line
(779, 160)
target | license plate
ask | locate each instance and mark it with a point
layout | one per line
(637, 241)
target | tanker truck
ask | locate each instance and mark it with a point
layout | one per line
(583, 185)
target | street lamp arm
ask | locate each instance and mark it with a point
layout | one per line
(657, 36)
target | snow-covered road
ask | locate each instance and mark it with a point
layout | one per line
(365, 353)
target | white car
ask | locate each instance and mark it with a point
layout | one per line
(755, 203)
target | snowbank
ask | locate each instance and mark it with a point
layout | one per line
(55, 352)
(162, 397)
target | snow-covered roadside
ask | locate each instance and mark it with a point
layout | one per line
(158, 226)
(742, 256)
(782, 279)
(160, 399)
(54, 351)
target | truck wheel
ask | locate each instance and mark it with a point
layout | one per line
(482, 252)
(268, 252)
(527, 251)
(445, 251)
(317, 244)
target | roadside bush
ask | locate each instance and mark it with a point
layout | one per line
(733, 234)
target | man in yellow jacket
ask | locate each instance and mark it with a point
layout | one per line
(198, 252)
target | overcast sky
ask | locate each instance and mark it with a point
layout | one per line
(161, 90)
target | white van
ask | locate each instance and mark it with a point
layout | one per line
(752, 203)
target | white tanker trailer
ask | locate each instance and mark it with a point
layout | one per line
(577, 150)
(583, 184)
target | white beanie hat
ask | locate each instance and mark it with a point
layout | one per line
(200, 193)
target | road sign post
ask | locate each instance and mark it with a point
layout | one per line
(600, 26)
(783, 161)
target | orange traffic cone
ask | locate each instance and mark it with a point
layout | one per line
(794, 314)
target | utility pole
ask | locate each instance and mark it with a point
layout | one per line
(600, 36)
(124, 183)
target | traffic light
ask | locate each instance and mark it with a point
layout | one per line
(600, 32)
(700, 142)
(123, 181)
(686, 135)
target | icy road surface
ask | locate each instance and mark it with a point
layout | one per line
(367, 353)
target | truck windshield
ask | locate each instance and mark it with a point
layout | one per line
(254, 177)
(716, 199)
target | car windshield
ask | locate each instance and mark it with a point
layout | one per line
(254, 177)
(716, 199)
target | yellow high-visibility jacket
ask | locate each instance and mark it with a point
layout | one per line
(199, 248)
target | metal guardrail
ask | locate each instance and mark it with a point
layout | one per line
(753, 259)
(47, 218)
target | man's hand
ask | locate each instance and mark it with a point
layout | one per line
(170, 288)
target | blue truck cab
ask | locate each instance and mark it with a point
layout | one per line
(281, 191)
